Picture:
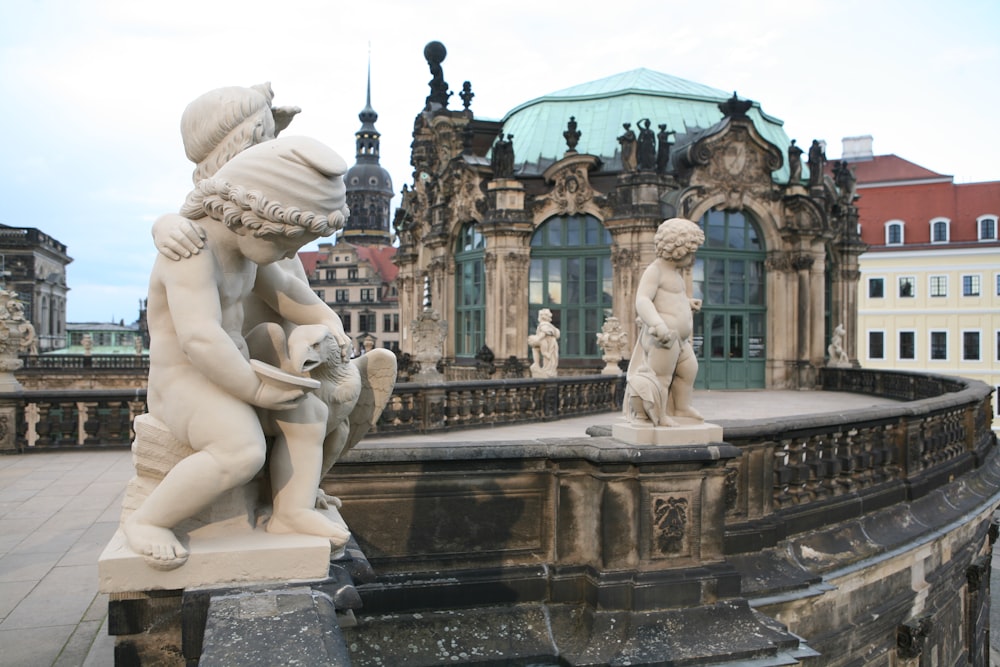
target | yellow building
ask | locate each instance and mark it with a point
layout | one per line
(929, 294)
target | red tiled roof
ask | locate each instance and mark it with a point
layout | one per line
(888, 169)
(309, 258)
(916, 205)
(380, 258)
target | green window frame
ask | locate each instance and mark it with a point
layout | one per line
(570, 274)
(470, 291)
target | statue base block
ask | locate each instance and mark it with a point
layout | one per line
(221, 559)
(687, 432)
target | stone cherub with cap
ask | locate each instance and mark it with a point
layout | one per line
(261, 206)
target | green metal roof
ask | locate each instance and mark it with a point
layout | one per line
(601, 107)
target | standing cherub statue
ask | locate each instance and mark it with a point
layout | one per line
(662, 371)
(544, 345)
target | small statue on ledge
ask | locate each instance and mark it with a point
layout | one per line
(838, 357)
(660, 380)
(544, 345)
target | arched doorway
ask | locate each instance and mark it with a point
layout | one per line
(570, 274)
(728, 276)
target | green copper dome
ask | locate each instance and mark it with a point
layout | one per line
(601, 107)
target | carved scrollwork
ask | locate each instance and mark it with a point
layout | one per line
(910, 638)
(778, 261)
(670, 518)
(803, 262)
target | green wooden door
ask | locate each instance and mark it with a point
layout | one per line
(730, 331)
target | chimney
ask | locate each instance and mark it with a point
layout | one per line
(857, 149)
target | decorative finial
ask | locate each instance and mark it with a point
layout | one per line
(435, 54)
(734, 107)
(572, 135)
(466, 94)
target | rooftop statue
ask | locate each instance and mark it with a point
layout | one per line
(661, 374)
(628, 145)
(817, 159)
(794, 164)
(646, 146)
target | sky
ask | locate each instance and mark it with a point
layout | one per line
(94, 89)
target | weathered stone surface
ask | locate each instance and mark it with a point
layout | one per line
(267, 628)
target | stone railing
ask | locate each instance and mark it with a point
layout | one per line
(68, 419)
(424, 408)
(92, 418)
(802, 472)
(73, 362)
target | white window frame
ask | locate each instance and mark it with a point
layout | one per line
(930, 344)
(979, 227)
(972, 275)
(947, 229)
(899, 345)
(930, 285)
(899, 287)
(902, 231)
(869, 284)
(979, 347)
(868, 344)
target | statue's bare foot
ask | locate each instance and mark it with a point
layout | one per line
(158, 546)
(666, 420)
(308, 522)
(690, 413)
(324, 501)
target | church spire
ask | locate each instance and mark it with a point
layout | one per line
(367, 138)
(369, 187)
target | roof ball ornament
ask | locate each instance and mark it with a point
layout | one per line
(435, 54)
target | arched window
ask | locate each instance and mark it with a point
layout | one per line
(894, 233)
(940, 230)
(731, 328)
(570, 275)
(470, 291)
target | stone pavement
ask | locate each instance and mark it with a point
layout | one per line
(59, 509)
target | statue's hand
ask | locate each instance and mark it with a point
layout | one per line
(695, 304)
(663, 335)
(176, 237)
(270, 397)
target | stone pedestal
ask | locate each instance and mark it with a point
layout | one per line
(227, 541)
(688, 432)
(249, 556)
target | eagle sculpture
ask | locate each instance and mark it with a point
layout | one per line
(324, 424)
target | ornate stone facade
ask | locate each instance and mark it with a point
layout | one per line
(805, 235)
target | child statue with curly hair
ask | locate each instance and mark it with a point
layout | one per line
(662, 371)
(261, 206)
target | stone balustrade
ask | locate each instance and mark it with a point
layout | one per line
(102, 418)
(801, 472)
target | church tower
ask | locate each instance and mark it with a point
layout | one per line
(369, 186)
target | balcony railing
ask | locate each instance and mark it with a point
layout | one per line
(74, 362)
(87, 418)
(800, 472)
(795, 473)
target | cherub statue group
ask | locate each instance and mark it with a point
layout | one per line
(247, 365)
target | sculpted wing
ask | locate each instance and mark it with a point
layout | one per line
(378, 377)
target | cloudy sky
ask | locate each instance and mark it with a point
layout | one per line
(94, 90)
